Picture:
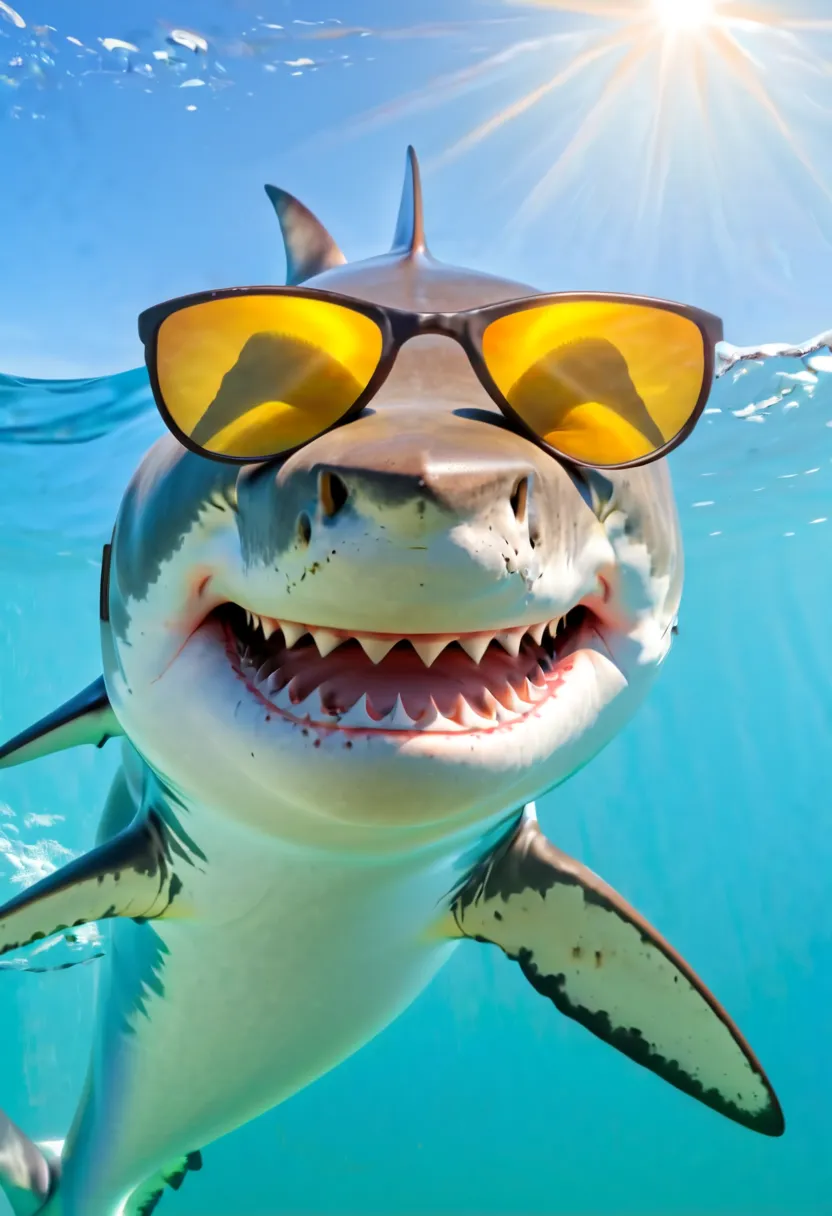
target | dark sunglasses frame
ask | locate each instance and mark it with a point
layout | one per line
(398, 326)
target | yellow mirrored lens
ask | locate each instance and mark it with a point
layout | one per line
(602, 381)
(256, 375)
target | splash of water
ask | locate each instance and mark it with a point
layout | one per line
(27, 861)
(36, 58)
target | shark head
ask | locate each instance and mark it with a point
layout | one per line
(408, 628)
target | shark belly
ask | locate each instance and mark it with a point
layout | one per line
(205, 1023)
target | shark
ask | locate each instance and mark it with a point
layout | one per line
(340, 680)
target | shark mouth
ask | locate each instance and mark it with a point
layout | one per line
(339, 680)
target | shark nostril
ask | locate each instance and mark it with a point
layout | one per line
(304, 529)
(332, 492)
(520, 500)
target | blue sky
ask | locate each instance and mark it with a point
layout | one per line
(122, 187)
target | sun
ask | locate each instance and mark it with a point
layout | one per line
(651, 119)
(684, 14)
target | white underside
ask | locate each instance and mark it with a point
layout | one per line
(284, 971)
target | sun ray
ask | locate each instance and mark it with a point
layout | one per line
(737, 58)
(586, 8)
(701, 93)
(587, 129)
(452, 84)
(653, 181)
(733, 13)
(519, 107)
(803, 27)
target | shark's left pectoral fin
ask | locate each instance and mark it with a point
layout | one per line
(582, 946)
(86, 718)
(131, 876)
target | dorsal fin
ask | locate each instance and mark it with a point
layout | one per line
(410, 226)
(310, 249)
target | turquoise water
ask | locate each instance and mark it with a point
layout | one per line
(710, 812)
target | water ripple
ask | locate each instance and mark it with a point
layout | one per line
(70, 411)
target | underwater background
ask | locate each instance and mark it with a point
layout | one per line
(711, 812)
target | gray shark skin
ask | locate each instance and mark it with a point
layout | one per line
(342, 678)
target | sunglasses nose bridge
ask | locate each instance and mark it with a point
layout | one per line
(420, 324)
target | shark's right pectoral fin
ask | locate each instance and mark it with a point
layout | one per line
(132, 876)
(600, 963)
(86, 718)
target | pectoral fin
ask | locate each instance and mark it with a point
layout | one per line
(29, 1172)
(64, 953)
(86, 718)
(132, 875)
(600, 963)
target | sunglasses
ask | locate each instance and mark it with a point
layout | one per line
(606, 381)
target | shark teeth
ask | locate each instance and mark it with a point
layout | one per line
(292, 633)
(364, 715)
(376, 648)
(511, 640)
(429, 649)
(325, 640)
(491, 693)
(428, 646)
(476, 645)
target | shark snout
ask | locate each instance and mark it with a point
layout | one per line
(422, 513)
(410, 502)
(421, 461)
(404, 476)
